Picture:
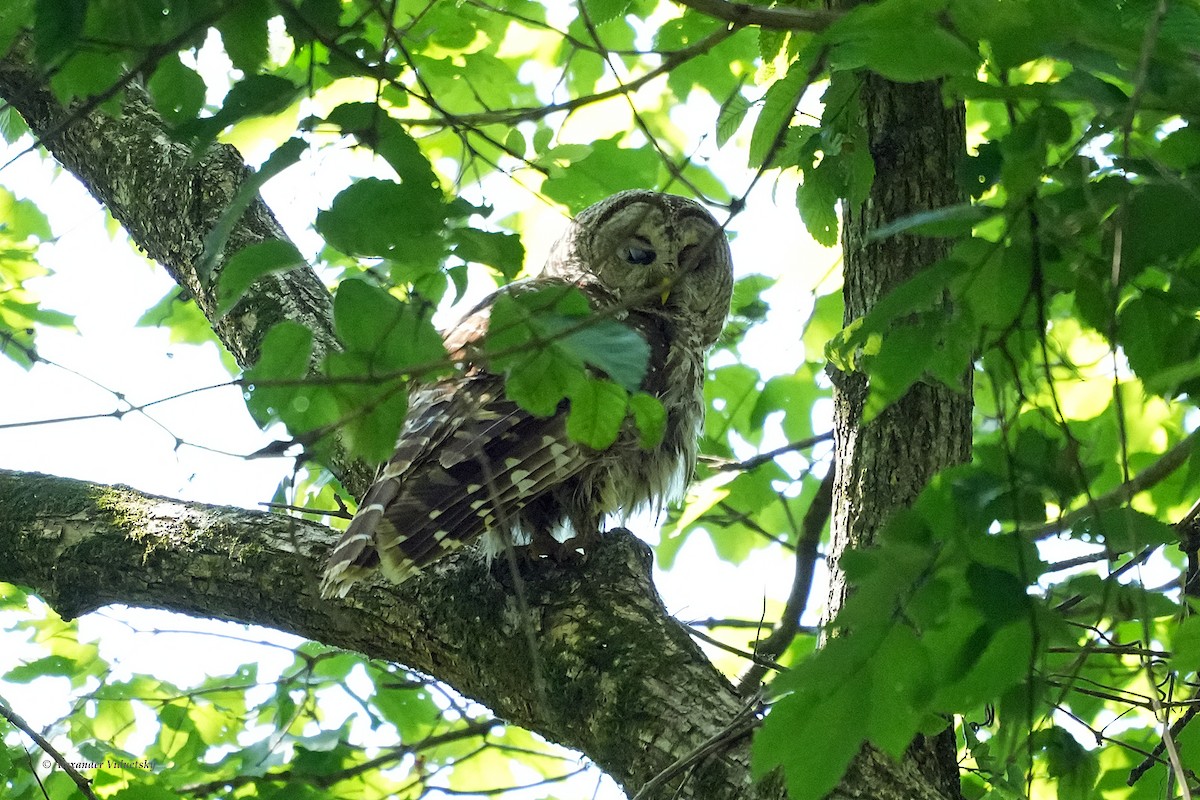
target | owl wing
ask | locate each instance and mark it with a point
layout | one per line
(467, 459)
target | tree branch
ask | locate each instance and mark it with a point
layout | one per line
(624, 681)
(625, 684)
(779, 19)
(1152, 475)
(84, 785)
(774, 645)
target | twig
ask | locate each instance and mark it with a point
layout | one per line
(1074, 600)
(15, 719)
(746, 654)
(777, 19)
(476, 728)
(1155, 756)
(566, 776)
(745, 720)
(340, 513)
(762, 458)
(806, 558)
(1166, 464)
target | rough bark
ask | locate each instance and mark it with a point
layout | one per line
(916, 142)
(624, 682)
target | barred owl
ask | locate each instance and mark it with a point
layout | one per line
(469, 461)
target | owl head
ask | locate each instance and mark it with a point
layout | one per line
(646, 249)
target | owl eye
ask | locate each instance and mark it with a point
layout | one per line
(635, 253)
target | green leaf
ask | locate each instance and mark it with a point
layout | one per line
(794, 395)
(56, 27)
(15, 16)
(747, 297)
(503, 251)
(177, 91)
(816, 199)
(392, 142)
(34, 313)
(957, 220)
(1125, 530)
(370, 413)
(311, 19)
(1160, 336)
(557, 319)
(1000, 287)
(1069, 763)
(47, 666)
(779, 106)
(1185, 646)
(998, 594)
(251, 263)
(607, 168)
(394, 334)
(283, 157)
(650, 418)
(539, 382)
(902, 40)
(22, 219)
(814, 736)
(824, 323)
(363, 314)
(902, 684)
(730, 117)
(995, 660)
(183, 318)
(255, 95)
(87, 73)
(1161, 224)
(243, 29)
(597, 412)
(730, 393)
(901, 361)
(610, 346)
(285, 355)
(352, 224)
(1180, 149)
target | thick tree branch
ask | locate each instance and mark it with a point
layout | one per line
(625, 683)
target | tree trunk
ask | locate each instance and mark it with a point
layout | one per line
(916, 142)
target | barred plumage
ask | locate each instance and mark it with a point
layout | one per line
(470, 461)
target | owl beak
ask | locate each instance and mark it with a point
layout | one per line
(666, 285)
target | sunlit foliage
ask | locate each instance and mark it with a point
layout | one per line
(1033, 597)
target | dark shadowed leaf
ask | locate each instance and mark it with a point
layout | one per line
(244, 33)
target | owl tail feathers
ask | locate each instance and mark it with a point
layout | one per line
(354, 555)
(359, 553)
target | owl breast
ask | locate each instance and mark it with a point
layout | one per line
(471, 462)
(626, 477)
